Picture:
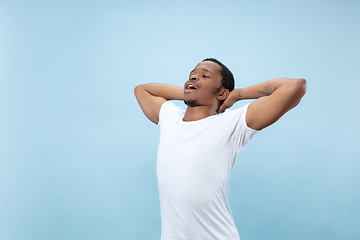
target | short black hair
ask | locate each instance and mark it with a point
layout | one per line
(227, 80)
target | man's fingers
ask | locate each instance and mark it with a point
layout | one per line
(221, 109)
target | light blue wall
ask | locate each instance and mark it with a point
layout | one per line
(77, 156)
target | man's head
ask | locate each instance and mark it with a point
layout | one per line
(227, 80)
(209, 84)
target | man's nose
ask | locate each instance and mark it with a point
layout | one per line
(193, 77)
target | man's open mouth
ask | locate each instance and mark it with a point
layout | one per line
(191, 86)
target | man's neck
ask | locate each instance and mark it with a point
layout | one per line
(199, 112)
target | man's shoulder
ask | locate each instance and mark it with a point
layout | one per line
(237, 116)
(169, 111)
(169, 107)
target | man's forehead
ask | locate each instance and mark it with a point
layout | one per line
(209, 66)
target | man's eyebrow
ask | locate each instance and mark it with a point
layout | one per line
(206, 70)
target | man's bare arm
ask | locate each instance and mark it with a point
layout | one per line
(151, 96)
(273, 99)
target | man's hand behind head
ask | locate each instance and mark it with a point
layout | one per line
(234, 96)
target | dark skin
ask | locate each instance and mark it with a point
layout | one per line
(209, 93)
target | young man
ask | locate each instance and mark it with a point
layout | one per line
(198, 147)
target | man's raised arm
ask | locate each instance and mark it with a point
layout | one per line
(151, 96)
(273, 99)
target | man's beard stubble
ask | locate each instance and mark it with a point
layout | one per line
(191, 103)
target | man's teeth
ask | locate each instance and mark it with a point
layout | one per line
(192, 86)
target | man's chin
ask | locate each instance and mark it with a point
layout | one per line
(191, 103)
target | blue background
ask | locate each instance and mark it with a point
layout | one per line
(77, 156)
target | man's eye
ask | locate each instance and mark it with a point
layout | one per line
(204, 76)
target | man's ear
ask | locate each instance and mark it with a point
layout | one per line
(224, 93)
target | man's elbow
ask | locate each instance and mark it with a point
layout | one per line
(138, 88)
(299, 86)
(302, 85)
(299, 90)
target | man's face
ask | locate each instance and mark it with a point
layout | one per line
(204, 84)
